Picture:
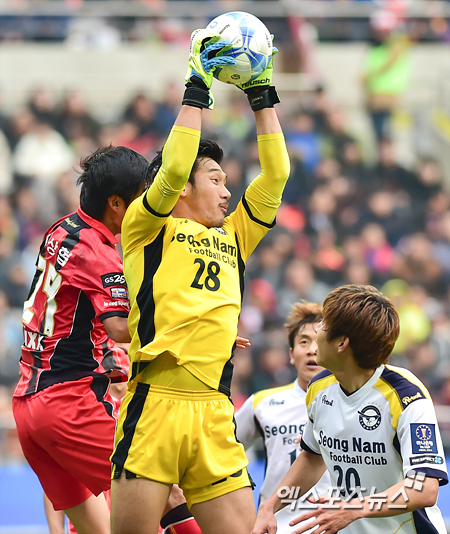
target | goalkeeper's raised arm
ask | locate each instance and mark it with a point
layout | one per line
(263, 196)
(174, 165)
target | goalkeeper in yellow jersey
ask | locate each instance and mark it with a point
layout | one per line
(184, 261)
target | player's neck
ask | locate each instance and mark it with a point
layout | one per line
(302, 382)
(110, 224)
(351, 376)
(182, 211)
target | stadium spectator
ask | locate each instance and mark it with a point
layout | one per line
(415, 325)
(10, 339)
(335, 136)
(9, 229)
(142, 112)
(392, 211)
(31, 214)
(259, 308)
(303, 141)
(320, 107)
(21, 122)
(42, 154)
(386, 70)
(14, 280)
(417, 265)
(167, 108)
(353, 165)
(426, 182)
(327, 259)
(273, 370)
(6, 177)
(42, 105)
(357, 272)
(378, 253)
(234, 169)
(74, 121)
(300, 284)
(271, 259)
(322, 210)
(388, 174)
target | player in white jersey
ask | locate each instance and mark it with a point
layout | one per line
(279, 415)
(372, 425)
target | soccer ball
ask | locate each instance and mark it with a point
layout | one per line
(252, 46)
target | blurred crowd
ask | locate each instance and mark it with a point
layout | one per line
(341, 221)
(345, 222)
(74, 23)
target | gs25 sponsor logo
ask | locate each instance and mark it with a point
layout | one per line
(113, 279)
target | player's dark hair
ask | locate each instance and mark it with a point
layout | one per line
(302, 313)
(207, 149)
(367, 317)
(111, 170)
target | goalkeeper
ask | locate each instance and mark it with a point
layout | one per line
(184, 262)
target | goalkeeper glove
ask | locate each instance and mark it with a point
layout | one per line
(259, 92)
(204, 56)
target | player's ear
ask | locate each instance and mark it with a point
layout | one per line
(115, 202)
(343, 343)
(187, 189)
(291, 356)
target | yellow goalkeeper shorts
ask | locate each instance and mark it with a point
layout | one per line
(183, 437)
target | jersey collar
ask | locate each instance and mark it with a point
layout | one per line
(362, 391)
(99, 226)
(298, 390)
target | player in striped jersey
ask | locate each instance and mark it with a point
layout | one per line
(64, 412)
(371, 424)
(78, 303)
(279, 415)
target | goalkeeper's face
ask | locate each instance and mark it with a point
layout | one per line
(208, 197)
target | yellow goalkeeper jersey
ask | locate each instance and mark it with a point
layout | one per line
(185, 280)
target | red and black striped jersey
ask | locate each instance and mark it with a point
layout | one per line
(78, 283)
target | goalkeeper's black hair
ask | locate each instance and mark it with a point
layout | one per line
(207, 149)
(111, 170)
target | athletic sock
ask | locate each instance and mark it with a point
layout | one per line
(180, 521)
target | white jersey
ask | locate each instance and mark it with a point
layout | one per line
(278, 415)
(374, 438)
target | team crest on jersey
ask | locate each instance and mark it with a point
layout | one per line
(220, 230)
(423, 438)
(119, 293)
(370, 417)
